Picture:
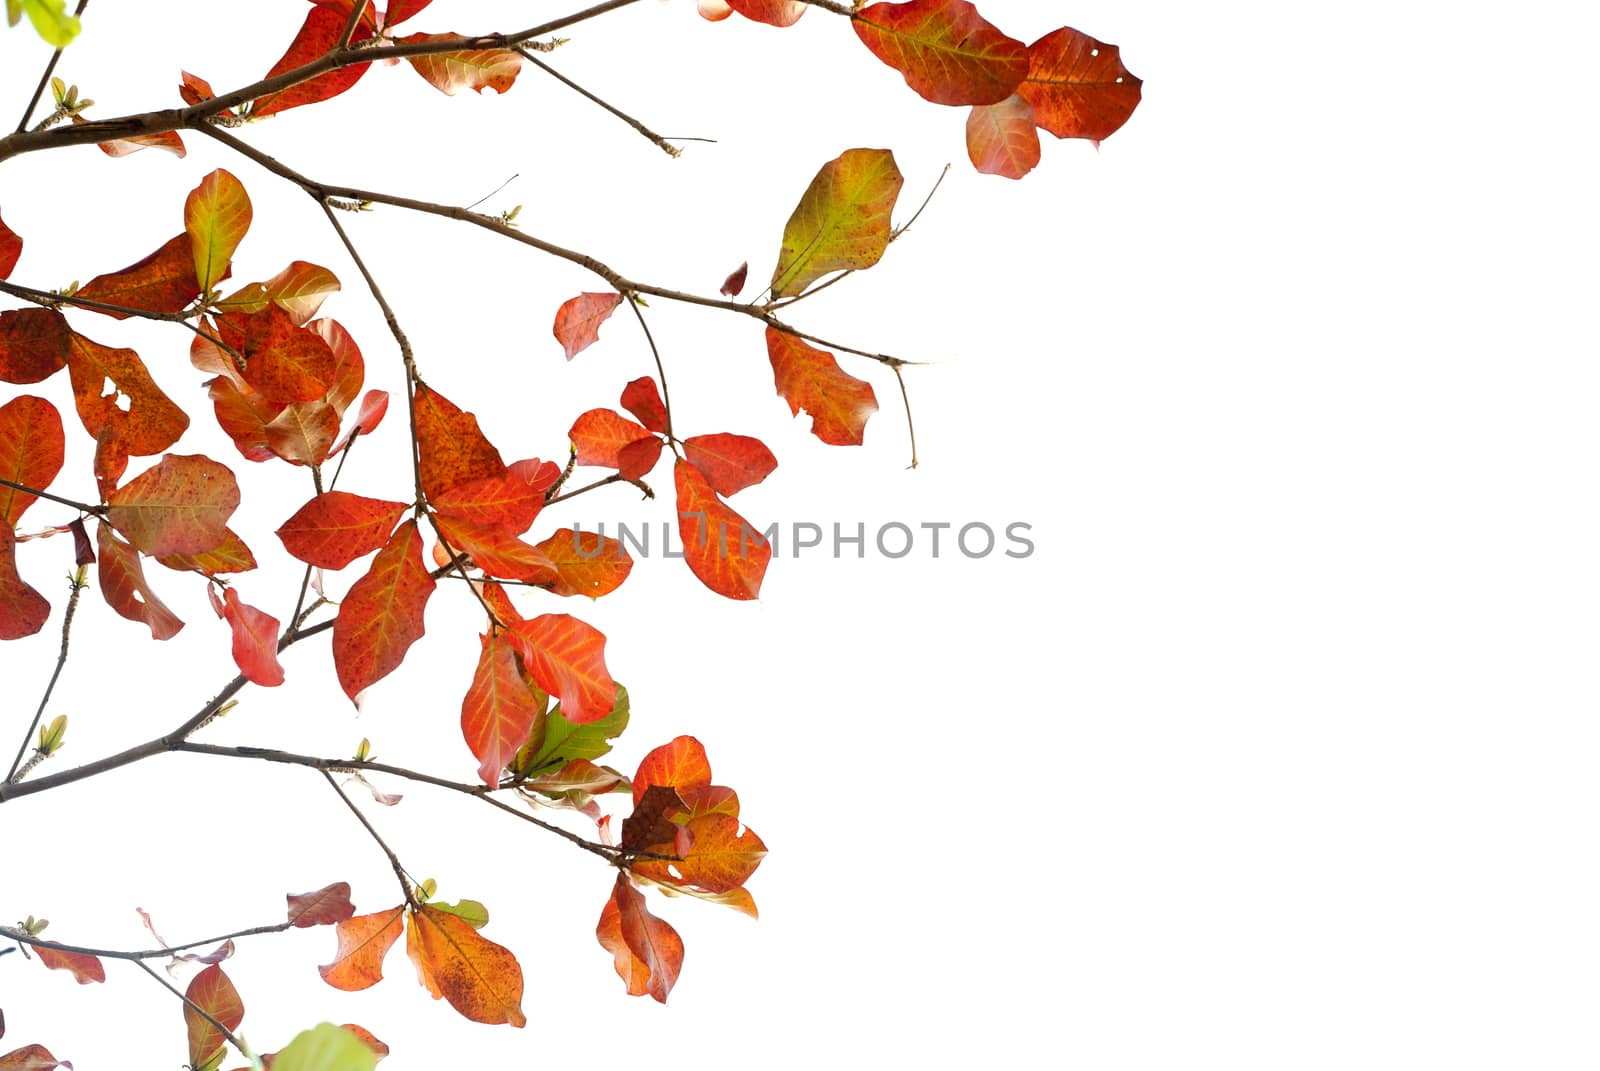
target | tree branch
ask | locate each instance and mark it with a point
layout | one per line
(407, 883)
(78, 584)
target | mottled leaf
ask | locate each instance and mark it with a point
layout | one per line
(336, 527)
(164, 281)
(947, 52)
(113, 389)
(298, 290)
(32, 450)
(180, 506)
(381, 617)
(452, 448)
(841, 222)
(363, 942)
(1078, 86)
(282, 361)
(723, 855)
(480, 979)
(505, 502)
(811, 379)
(10, 249)
(33, 344)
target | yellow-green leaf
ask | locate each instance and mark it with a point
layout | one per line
(216, 216)
(49, 18)
(325, 1047)
(842, 222)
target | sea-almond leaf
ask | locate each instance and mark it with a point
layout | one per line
(180, 506)
(84, 968)
(33, 344)
(213, 993)
(586, 563)
(643, 400)
(578, 320)
(255, 640)
(323, 907)
(946, 51)
(1078, 86)
(318, 34)
(500, 710)
(23, 611)
(337, 527)
(32, 451)
(164, 281)
(125, 589)
(1002, 139)
(811, 379)
(480, 979)
(363, 942)
(772, 12)
(566, 657)
(10, 249)
(143, 418)
(216, 216)
(721, 548)
(451, 447)
(841, 222)
(475, 69)
(730, 463)
(646, 952)
(381, 617)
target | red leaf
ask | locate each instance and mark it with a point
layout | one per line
(30, 1058)
(733, 285)
(496, 552)
(298, 290)
(363, 942)
(84, 968)
(578, 320)
(730, 463)
(318, 35)
(325, 906)
(480, 979)
(600, 435)
(643, 400)
(475, 69)
(680, 764)
(32, 450)
(500, 708)
(336, 527)
(10, 249)
(714, 10)
(635, 460)
(349, 371)
(401, 10)
(381, 617)
(567, 659)
(212, 992)
(164, 281)
(1078, 86)
(282, 361)
(33, 344)
(810, 379)
(646, 951)
(232, 556)
(123, 585)
(181, 506)
(244, 416)
(771, 12)
(255, 641)
(947, 52)
(586, 563)
(722, 549)
(1002, 139)
(374, 404)
(144, 420)
(452, 448)
(505, 502)
(723, 855)
(541, 475)
(196, 90)
(216, 216)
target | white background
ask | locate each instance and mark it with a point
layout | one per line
(1277, 752)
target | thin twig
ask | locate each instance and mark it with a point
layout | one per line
(656, 139)
(615, 477)
(357, 9)
(666, 397)
(61, 660)
(44, 79)
(911, 428)
(51, 300)
(81, 507)
(407, 883)
(149, 953)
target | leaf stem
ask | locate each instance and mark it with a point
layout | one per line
(407, 883)
(656, 139)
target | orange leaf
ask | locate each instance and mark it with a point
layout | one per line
(771, 12)
(1002, 139)
(318, 35)
(23, 611)
(505, 502)
(578, 320)
(84, 968)
(401, 10)
(842, 220)
(452, 448)
(374, 404)
(214, 993)
(680, 764)
(811, 379)
(325, 906)
(567, 659)
(32, 450)
(196, 90)
(600, 435)
(722, 549)
(164, 281)
(33, 344)
(714, 10)
(948, 53)
(123, 585)
(181, 506)
(646, 951)
(363, 942)
(216, 216)
(303, 433)
(255, 641)
(643, 400)
(500, 708)
(30, 1058)
(381, 617)
(144, 419)
(366, 1038)
(495, 552)
(336, 527)
(244, 416)
(475, 69)
(730, 463)
(723, 856)
(298, 290)
(480, 979)
(231, 557)
(586, 563)
(284, 362)
(1078, 86)
(10, 249)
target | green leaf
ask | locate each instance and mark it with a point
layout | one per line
(49, 18)
(842, 221)
(325, 1047)
(471, 912)
(564, 741)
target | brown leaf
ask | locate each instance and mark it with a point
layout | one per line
(480, 979)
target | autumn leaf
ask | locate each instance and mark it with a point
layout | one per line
(567, 659)
(30, 1058)
(363, 942)
(318, 34)
(302, 433)
(401, 10)
(947, 52)
(1002, 139)
(33, 344)
(500, 710)
(196, 90)
(32, 451)
(841, 222)
(165, 140)
(586, 563)
(811, 379)
(643, 400)
(723, 855)
(714, 10)
(578, 320)
(298, 290)
(452, 448)
(374, 404)
(480, 979)
(10, 249)
(600, 435)
(336, 527)
(681, 763)
(505, 502)
(282, 361)
(255, 640)
(216, 216)
(180, 506)
(474, 69)
(326, 1047)
(84, 968)
(721, 548)
(213, 993)
(496, 552)
(164, 281)
(1078, 86)
(231, 556)
(730, 463)
(143, 418)
(565, 741)
(646, 951)
(381, 617)
(734, 283)
(324, 907)
(771, 12)
(244, 415)
(23, 611)
(123, 585)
